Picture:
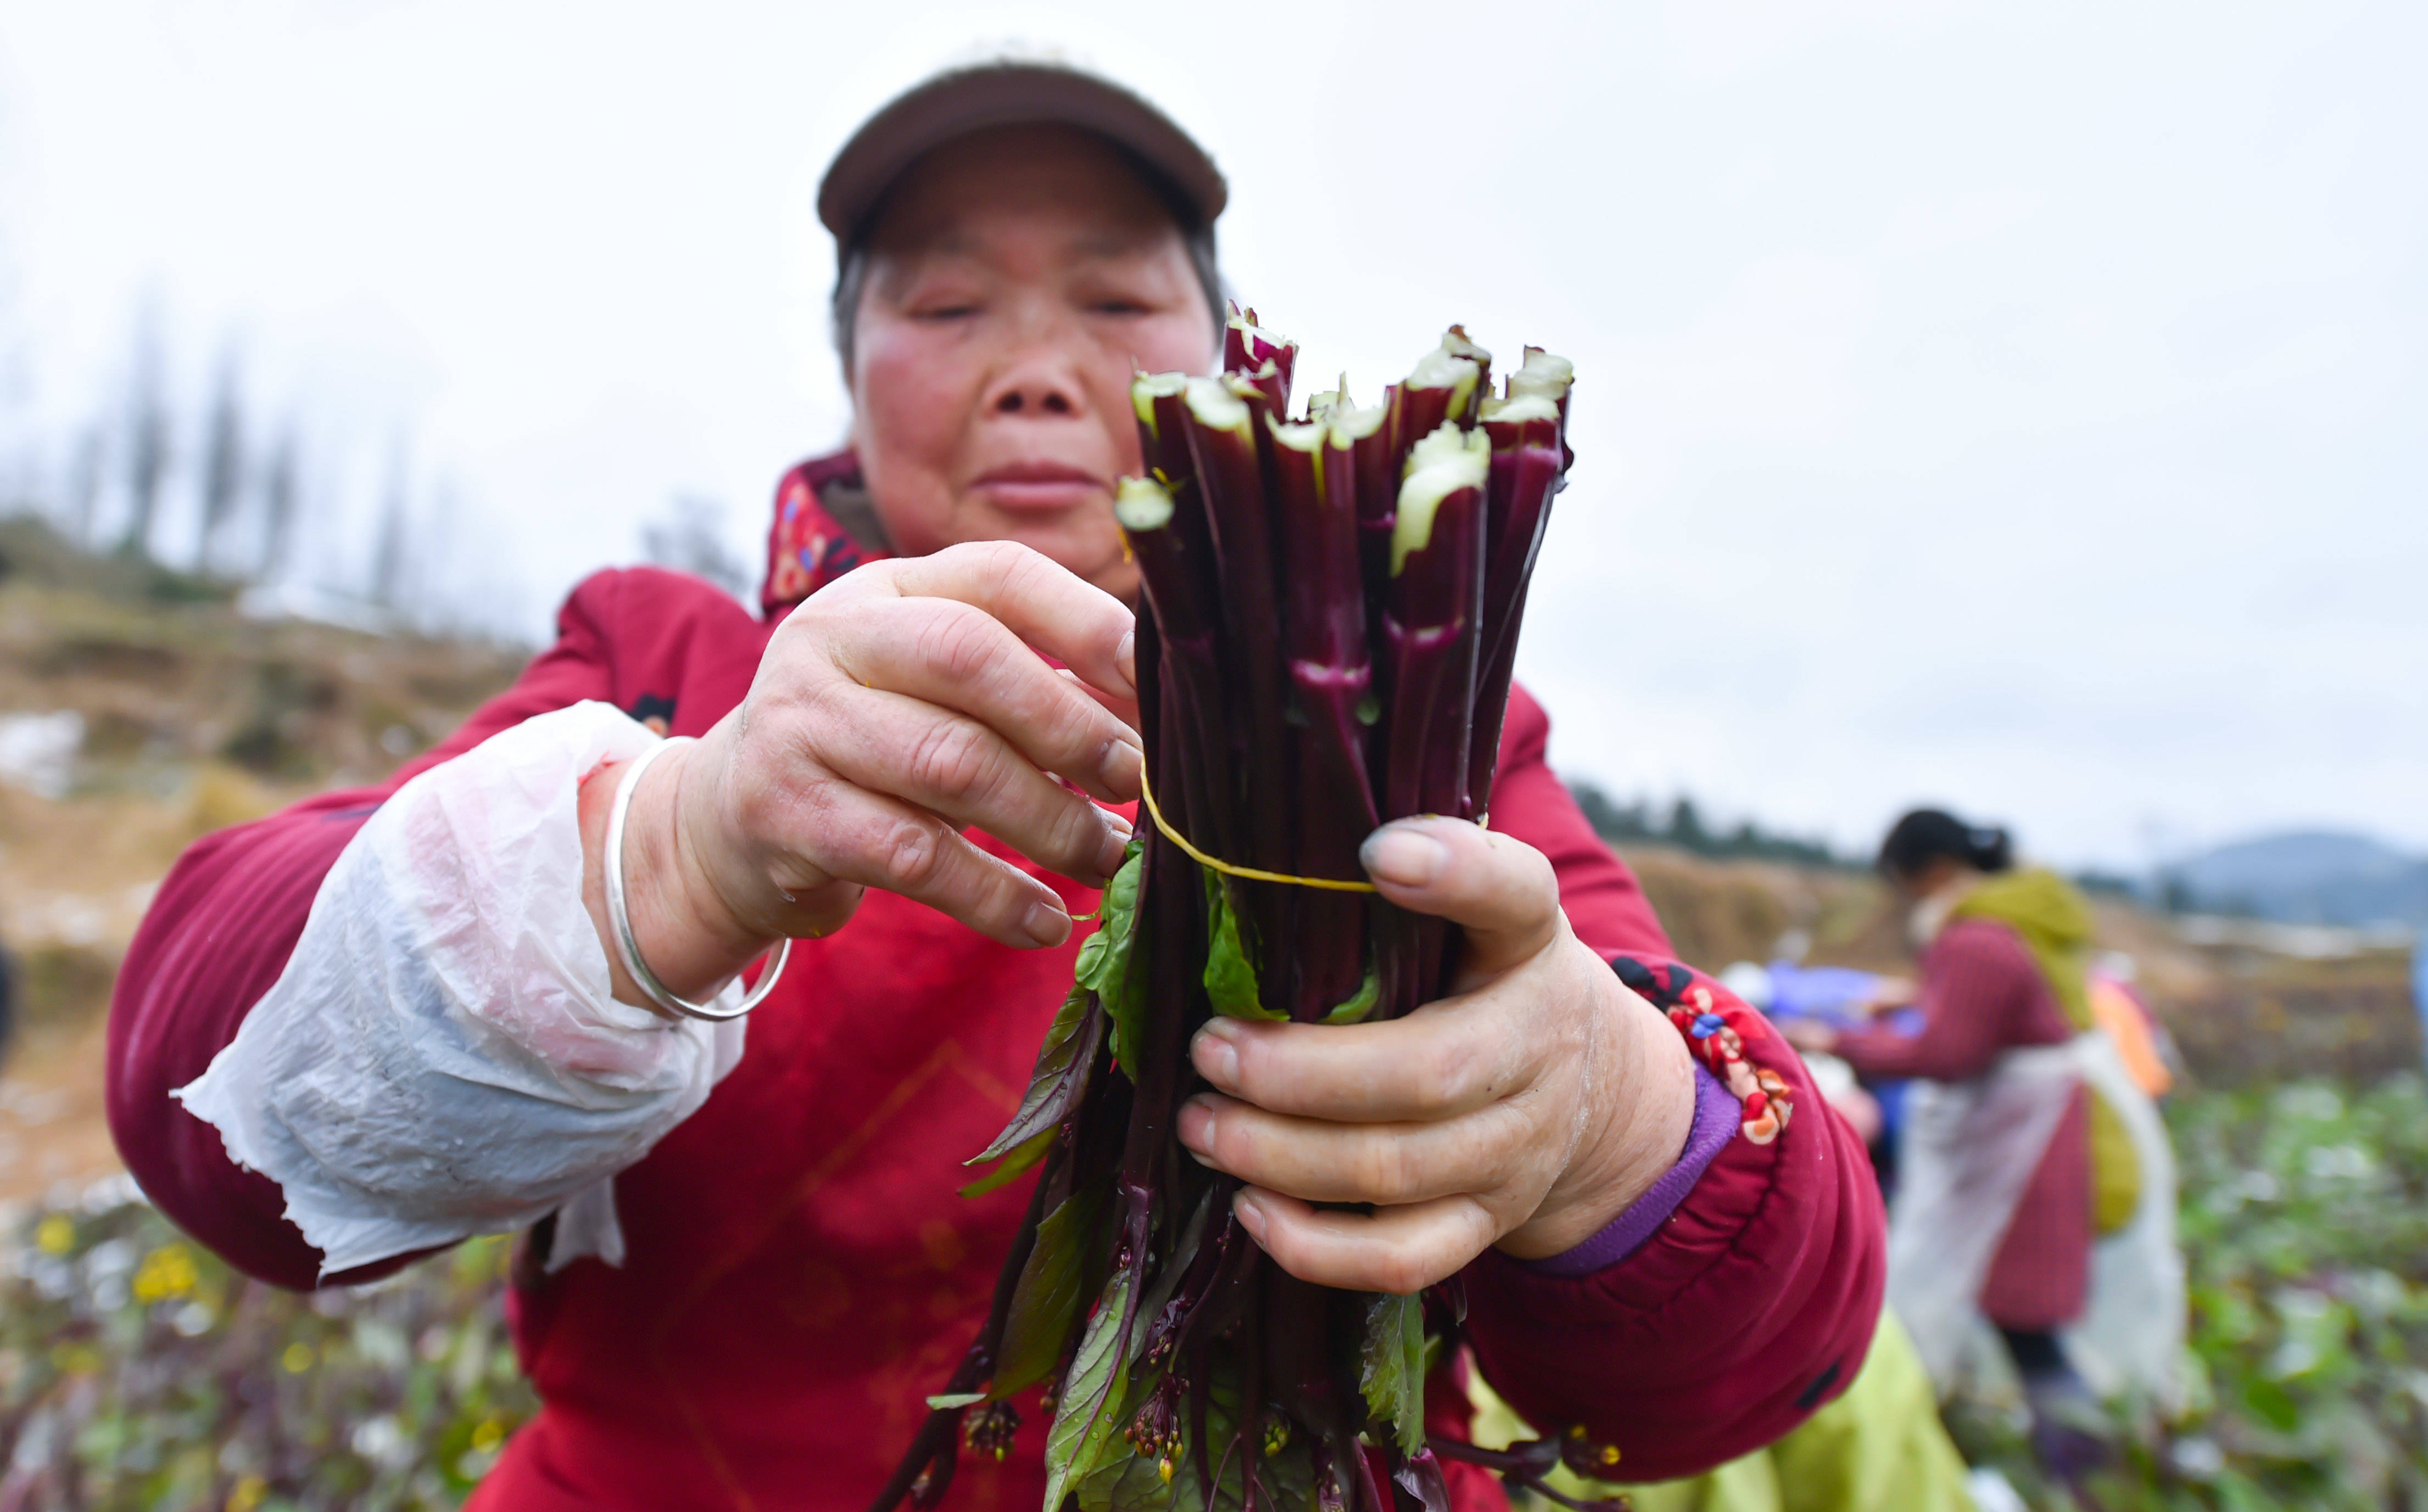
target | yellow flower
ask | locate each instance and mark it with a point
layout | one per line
(250, 1492)
(297, 1358)
(167, 1272)
(488, 1436)
(55, 1234)
(75, 1360)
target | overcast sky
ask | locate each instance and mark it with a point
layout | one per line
(2014, 407)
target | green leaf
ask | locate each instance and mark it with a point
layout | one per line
(1092, 1397)
(1018, 1164)
(1107, 953)
(1130, 1483)
(1046, 1299)
(1107, 961)
(2273, 1405)
(1062, 1065)
(1230, 980)
(957, 1399)
(1369, 992)
(1391, 1366)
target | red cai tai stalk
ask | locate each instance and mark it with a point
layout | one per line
(1332, 609)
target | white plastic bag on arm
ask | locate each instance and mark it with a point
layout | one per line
(443, 1055)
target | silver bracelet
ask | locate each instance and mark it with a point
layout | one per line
(619, 917)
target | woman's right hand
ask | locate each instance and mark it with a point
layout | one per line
(1890, 994)
(890, 710)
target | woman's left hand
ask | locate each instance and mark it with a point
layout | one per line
(1526, 1111)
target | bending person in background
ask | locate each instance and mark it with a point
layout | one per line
(2026, 1139)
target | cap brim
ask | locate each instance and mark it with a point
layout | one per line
(955, 103)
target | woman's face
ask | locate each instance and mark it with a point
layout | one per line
(1017, 279)
(1926, 879)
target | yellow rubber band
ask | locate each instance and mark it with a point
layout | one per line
(1246, 873)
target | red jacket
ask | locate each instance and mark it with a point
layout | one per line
(799, 1272)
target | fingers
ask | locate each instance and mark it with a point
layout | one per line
(959, 768)
(1400, 1249)
(854, 835)
(1501, 891)
(1124, 709)
(1321, 1162)
(1443, 1060)
(958, 658)
(1046, 605)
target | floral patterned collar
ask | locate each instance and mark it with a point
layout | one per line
(809, 544)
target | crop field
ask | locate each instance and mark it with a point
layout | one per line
(2304, 1226)
(138, 1373)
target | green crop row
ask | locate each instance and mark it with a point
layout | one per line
(139, 1372)
(136, 1371)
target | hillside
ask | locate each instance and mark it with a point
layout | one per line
(2239, 1014)
(186, 717)
(2310, 877)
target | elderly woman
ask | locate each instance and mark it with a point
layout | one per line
(385, 1021)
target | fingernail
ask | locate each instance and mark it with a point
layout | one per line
(1126, 656)
(1197, 1127)
(1116, 847)
(1403, 857)
(1045, 923)
(1120, 766)
(1216, 1054)
(1252, 1218)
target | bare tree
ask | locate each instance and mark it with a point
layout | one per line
(84, 466)
(391, 554)
(279, 486)
(224, 464)
(147, 439)
(690, 538)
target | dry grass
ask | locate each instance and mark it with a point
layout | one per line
(195, 718)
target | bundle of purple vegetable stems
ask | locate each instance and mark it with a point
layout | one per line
(1332, 601)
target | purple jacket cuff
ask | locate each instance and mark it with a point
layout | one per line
(1717, 1115)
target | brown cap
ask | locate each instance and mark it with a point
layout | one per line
(962, 100)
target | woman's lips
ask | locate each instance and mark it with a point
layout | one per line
(1038, 487)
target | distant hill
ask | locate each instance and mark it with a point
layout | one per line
(2309, 877)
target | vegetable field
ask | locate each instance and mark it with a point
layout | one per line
(137, 1372)
(2304, 1224)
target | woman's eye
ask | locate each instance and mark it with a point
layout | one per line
(1119, 307)
(948, 311)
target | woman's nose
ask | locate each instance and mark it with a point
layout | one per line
(1039, 368)
(1036, 394)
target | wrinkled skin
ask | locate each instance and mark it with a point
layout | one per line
(1019, 278)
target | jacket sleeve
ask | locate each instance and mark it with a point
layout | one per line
(1749, 1308)
(218, 936)
(1605, 904)
(1978, 990)
(1753, 1303)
